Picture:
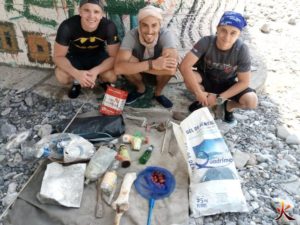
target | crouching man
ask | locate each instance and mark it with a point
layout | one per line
(222, 63)
(148, 49)
(85, 48)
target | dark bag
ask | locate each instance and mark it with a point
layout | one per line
(95, 129)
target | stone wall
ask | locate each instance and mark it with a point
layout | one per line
(28, 27)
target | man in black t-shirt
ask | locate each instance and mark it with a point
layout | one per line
(85, 48)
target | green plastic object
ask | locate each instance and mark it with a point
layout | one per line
(146, 155)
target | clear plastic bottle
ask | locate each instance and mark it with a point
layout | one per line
(99, 163)
(146, 155)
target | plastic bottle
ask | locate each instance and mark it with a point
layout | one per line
(99, 163)
(146, 155)
(109, 180)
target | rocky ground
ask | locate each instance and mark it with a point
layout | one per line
(265, 143)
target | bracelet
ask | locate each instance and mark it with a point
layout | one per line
(150, 64)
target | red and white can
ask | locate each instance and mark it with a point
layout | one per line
(113, 102)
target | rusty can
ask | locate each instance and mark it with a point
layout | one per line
(124, 156)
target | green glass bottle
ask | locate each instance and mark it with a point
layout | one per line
(146, 155)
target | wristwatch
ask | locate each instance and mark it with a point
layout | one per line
(219, 99)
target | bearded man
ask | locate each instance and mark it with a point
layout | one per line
(148, 49)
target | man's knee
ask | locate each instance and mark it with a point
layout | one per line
(198, 79)
(62, 76)
(249, 100)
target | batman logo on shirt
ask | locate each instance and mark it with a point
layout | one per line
(88, 42)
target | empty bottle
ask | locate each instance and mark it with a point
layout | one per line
(109, 180)
(146, 155)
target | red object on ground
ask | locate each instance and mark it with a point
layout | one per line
(113, 102)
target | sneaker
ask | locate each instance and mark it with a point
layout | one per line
(228, 116)
(164, 101)
(194, 106)
(133, 96)
(74, 91)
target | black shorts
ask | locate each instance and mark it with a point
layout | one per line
(86, 61)
(218, 88)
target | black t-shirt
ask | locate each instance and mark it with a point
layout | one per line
(70, 33)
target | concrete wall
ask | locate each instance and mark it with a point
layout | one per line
(28, 27)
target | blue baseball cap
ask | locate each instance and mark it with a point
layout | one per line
(234, 19)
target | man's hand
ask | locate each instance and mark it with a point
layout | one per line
(85, 79)
(94, 72)
(164, 63)
(202, 97)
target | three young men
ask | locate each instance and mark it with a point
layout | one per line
(222, 61)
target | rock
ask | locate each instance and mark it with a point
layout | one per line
(45, 130)
(240, 159)
(252, 160)
(7, 130)
(12, 187)
(5, 112)
(265, 29)
(262, 157)
(284, 164)
(28, 100)
(291, 159)
(9, 199)
(282, 132)
(271, 136)
(293, 139)
(18, 139)
(292, 187)
(2, 157)
(292, 21)
(17, 159)
(254, 205)
(240, 116)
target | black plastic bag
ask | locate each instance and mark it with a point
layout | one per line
(96, 128)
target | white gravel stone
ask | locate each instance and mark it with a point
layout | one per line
(293, 139)
(283, 132)
(240, 159)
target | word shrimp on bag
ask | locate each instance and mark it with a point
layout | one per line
(215, 186)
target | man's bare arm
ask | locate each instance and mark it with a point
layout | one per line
(164, 65)
(61, 61)
(161, 66)
(186, 69)
(124, 64)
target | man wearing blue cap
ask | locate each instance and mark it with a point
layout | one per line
(85, 48)
(222, 63)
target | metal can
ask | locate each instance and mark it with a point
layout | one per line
(124, 156)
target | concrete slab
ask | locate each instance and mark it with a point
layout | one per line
(22, 79)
